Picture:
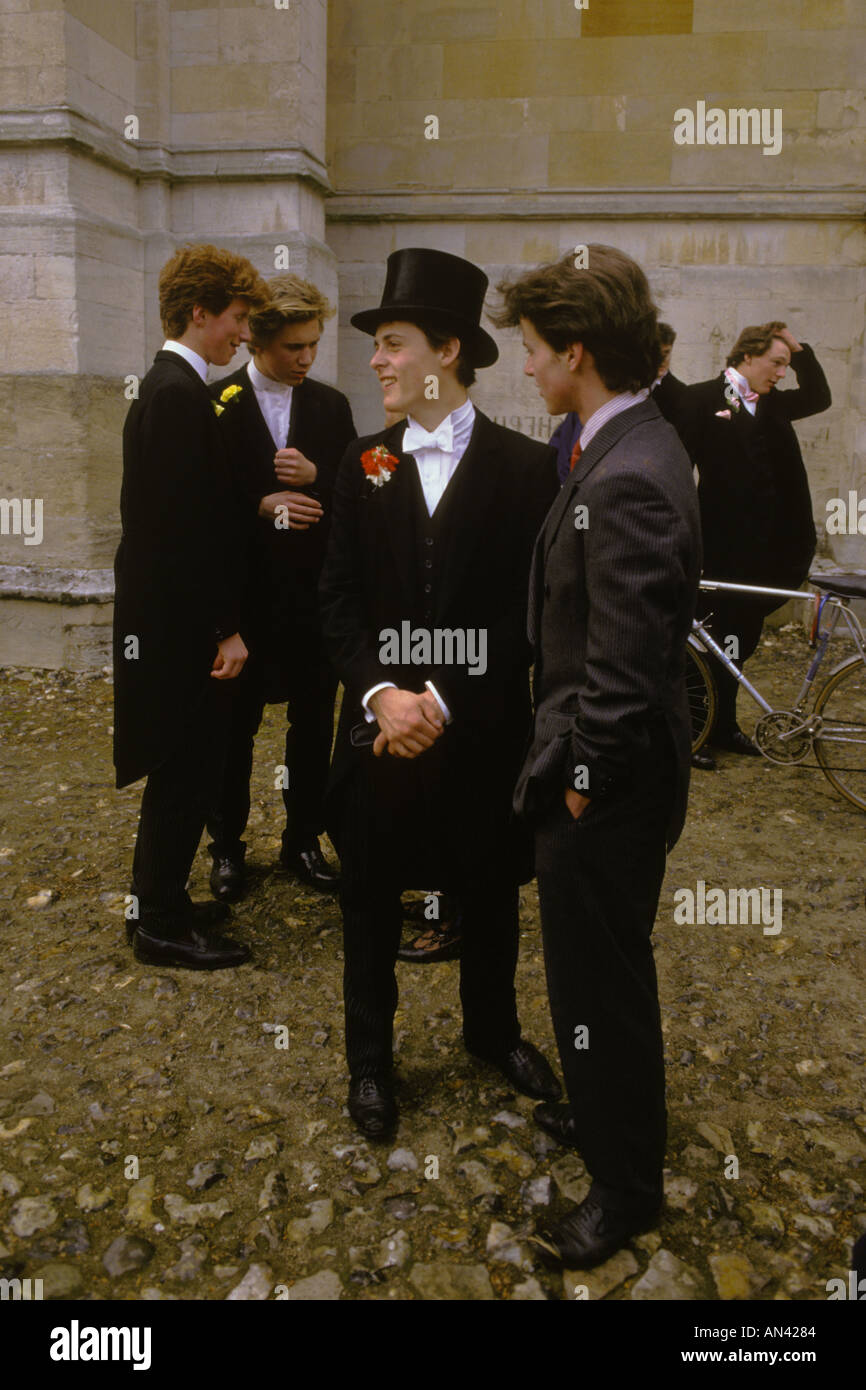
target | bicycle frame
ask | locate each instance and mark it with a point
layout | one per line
(821, 638)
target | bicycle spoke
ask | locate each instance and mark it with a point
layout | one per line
(840, 746)
(701, 693)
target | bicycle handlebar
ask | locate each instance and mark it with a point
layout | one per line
(755, 590)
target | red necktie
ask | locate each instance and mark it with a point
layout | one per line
(575, 454)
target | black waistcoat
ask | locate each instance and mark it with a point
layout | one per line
(430, 540)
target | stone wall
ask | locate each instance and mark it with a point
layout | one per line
(229, 101)
(556, 128)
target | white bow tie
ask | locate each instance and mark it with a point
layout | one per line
(415, 437)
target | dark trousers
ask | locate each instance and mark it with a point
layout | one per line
(310, 716)
(743, 619)
(175, 803)
(599, 880)
(372, 922)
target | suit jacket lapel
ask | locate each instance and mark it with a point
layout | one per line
(167, 358)
(744, 425)
(609, 434)
(556, 514)
(470, 495)
(536, 587)
(261, 439)
(296, 408)
(742, 419)
(396, 502)
(258, 442)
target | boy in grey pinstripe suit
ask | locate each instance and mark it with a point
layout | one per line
(605, 781)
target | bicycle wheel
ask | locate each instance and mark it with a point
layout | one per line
(840, 746)
(701, 689)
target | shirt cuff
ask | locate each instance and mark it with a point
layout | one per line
(365, 699)
(440, 702)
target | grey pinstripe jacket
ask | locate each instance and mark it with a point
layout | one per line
(612, 594)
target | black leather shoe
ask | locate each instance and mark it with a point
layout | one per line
(187, 946)
(372, 1106)
(227, 878)
(205, 915)
(310, 866)
(528, 1072)
(704, 761)
(441, 941)
(558, 1121)
(738, 742)
(589, 1235)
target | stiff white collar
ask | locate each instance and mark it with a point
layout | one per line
(265, 383)
(193, 358)
(455, 426)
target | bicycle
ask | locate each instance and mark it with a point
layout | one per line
(834, 728)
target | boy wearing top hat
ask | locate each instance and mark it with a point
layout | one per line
(423, 599)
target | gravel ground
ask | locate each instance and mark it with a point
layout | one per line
(171, 1135)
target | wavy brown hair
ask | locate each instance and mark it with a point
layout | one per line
(754, 341)
(291, 300)
(208, 276)
(606, 306)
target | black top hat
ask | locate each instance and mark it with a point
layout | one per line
(443, 290)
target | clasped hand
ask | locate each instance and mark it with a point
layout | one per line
(408, 723)
(301, 511)
(291, 466)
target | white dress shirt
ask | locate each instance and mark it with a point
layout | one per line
(275, 403)
(436, 454)
(188, 355)
(624, 401)
(741, 386)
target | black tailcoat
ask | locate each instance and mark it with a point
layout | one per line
(753, 491)
(669, 396)
(177, 577)
(280, 601)
(448, 811)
